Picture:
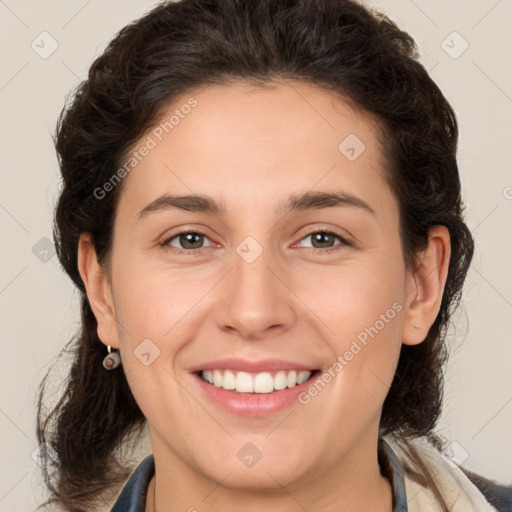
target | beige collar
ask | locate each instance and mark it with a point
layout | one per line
(459, 493)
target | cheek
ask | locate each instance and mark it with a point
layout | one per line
(365, 344)
(361, 308)
(353, 296)
(152, 300)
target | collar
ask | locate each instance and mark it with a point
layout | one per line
(133, 495)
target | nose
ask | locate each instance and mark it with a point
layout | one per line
(255, 299)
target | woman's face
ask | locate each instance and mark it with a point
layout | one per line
(259, 282)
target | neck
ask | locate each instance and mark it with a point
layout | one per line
(353, 483)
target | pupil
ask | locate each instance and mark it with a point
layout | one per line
(319, 236)
(186, 239)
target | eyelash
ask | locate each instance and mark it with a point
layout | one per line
(197, 252)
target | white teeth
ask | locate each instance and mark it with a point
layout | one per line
(229, 381)
(244, 383)
(303, 377)
(263, 382)
(217, 378)
(291, 379)
(280, 380)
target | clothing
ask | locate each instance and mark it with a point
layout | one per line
(462, 490)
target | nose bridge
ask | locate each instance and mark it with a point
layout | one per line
(254, 298)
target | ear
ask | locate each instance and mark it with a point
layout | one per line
(98, 290)
(425, 286)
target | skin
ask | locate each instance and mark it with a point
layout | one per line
(251, 147)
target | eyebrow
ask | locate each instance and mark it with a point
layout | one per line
(295, 202)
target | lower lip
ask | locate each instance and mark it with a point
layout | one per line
(254, 404)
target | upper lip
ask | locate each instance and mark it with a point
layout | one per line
(244, 365)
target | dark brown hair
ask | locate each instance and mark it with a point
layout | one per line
(338, 45)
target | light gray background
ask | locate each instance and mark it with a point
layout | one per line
(38, 306)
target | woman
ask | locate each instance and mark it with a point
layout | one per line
(261, 208)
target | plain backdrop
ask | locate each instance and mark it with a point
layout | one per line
(467, 46)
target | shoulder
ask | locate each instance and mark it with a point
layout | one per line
(497, 494)
(429, 472)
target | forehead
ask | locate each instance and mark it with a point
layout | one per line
(279, 115)
(254, 142)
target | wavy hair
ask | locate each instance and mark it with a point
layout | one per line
(339, 45)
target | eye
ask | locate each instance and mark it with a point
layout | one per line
(185, 241)
(192, 241)
(324, 238)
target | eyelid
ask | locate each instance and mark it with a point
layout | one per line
(345, 241)
(165, 244)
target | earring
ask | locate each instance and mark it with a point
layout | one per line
(112, 359)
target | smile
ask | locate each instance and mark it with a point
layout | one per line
(263, 382)
(260, 394)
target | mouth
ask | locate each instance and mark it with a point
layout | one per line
(256, 383)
